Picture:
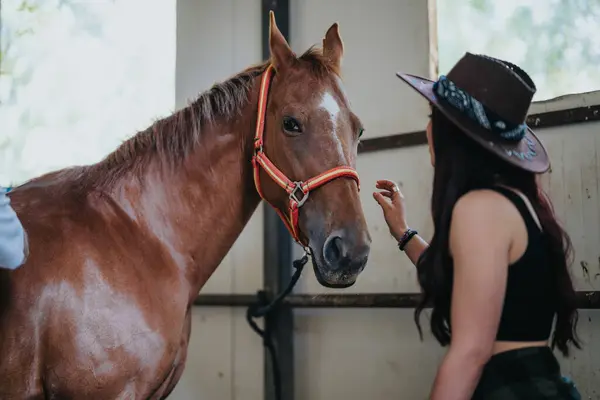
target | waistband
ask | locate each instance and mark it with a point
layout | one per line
(519, 364)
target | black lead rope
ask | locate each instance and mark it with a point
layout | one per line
(261, 310)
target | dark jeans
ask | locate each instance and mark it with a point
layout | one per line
(531, 373)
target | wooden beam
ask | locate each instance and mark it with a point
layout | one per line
(535, 121)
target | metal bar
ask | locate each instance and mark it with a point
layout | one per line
(395, 141)
(585, 300)
(538, 121)
(225, 300)
(277, 245)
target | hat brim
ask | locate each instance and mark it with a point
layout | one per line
(537, 163)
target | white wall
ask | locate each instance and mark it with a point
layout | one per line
(380, 37)
(361, 353)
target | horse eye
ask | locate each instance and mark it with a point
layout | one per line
(291, 125)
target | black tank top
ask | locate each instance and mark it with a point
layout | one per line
(530, 299)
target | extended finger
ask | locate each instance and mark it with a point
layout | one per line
(388, 194)
(385, 184)
(392, 191)
(381, 200)
(389, 186)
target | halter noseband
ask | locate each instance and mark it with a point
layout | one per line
(293, 188)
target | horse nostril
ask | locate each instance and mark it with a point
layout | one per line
(333, 251)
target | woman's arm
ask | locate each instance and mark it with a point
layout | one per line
(13, 242)
(391, 200)
(415, 247)
(480, 240)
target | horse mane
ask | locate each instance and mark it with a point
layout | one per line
(173, 137)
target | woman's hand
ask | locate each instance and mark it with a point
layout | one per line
(391, 201)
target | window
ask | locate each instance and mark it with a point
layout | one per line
(555, 41)
(77, 77)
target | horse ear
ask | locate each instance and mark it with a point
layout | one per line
(281, 53)
(333, 47)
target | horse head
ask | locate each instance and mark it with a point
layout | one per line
(310, 138)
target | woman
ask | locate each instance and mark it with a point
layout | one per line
(13, 241)
(496, 270)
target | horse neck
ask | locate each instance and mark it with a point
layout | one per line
(197, 210)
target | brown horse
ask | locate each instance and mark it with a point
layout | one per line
(120, 249)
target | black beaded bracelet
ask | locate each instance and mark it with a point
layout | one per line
(409, 234)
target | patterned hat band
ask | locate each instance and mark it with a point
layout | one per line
(486, 118)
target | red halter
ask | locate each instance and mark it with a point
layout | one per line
(293, 188)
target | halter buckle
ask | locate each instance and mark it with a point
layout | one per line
(258, 146)
(293, 197)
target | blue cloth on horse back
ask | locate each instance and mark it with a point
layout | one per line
(12, 235)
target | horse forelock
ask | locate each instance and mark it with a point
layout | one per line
(318, 63)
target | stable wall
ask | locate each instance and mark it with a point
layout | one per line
(361, 353)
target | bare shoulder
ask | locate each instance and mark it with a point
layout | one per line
(479, 218)
(483, 204)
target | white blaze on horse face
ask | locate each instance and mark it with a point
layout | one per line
(330, 104)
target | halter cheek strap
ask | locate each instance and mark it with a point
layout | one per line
(297, 191)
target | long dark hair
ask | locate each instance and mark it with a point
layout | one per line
(461, 166)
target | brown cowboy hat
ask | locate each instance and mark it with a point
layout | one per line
(488, 99)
